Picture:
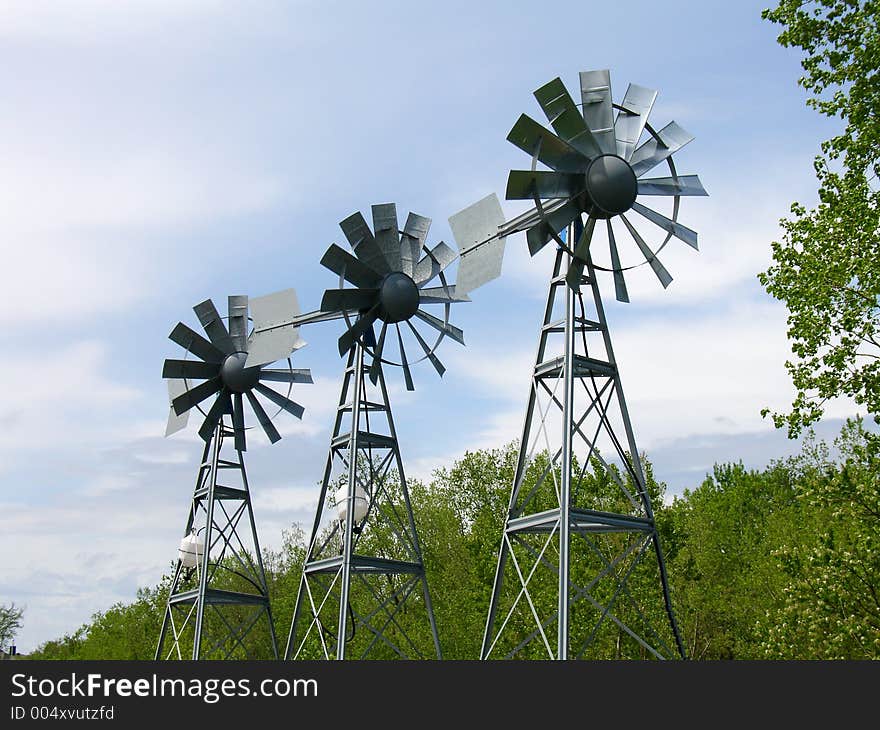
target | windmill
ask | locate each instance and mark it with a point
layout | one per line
(218, 603)
(575, 556)
(363, 593)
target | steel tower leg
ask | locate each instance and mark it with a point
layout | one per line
(360, 577)
(580, 517)
(216, 610)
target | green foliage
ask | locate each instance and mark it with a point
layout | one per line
(827, 267)
(723, 574)
(776, 563)
(831, 607)
(124, 631)
(10, 623)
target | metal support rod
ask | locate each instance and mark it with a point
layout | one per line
(412, 525)
(519, 474)
(189, 523)
(565, 486)
(627, 424)
(352, 483)
(258, 553)
(634, 456)
(209, 526)
(301, 592)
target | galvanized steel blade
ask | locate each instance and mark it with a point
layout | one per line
(442, 294)
(272, 345)
(407, 375)
(660, 270)
(582, 246)
(597, 108)
(175, 423)
(364, 244)
(263, 419)
(450, 330)
(565, 118)
(653, 152)
(415, 233)
(279, 400)
(681, 232)
(277, 309)
(532, 137)
(353, 270)
(631, 119)
(193, 342)
(387, 234)
(538, 235)
(213, 326)
(525, 184)
(575, 272)
(434, 261)
(237, 308)
(193, 369)
(476, 231)
(370, 335)
(620, 292)
(276, 329)
(363, 323)
(294, 375)
(196, 395)
(376, 365)
(215, 413)
(238, 423)
(435, 361)
(680, 185)
(338, 300)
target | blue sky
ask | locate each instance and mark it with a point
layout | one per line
(159, 153)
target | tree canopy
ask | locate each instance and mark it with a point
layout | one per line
(10, 623)
(827, 267)
(782, 562)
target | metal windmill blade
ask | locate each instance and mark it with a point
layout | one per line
(394, 294)
(220, 564)
(390, 281)
(220, 380)
(599, 171)
(589, 178)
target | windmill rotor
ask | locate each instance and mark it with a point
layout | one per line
(226, 380)
(598, 169)
(391, 275)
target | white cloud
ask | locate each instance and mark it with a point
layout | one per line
(682, 376)
(86, 19)
(61, 399)
(85, 231)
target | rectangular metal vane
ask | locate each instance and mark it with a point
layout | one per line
(565, 118)
(365, 247)
(472, 228)
(652, 153)
(598, 111)
(531, 137)
(415, 234)
(386, 233)
(637, 104)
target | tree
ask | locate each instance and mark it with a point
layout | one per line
(10, 623)
(827, 267)
(832, 597)
(720, 559)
